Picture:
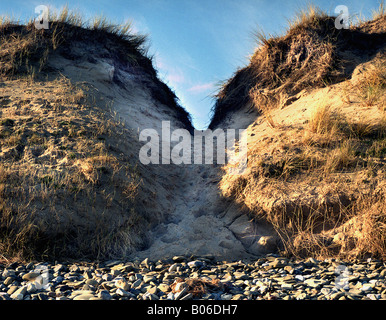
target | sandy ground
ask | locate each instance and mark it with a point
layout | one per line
(196, 220)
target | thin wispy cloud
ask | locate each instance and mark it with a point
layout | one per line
(176, 76)
(200, 88)
(172, 74)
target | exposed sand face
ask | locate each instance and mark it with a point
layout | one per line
(195, 219)
(201, 223)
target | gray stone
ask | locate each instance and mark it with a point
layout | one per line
(352, 296)
(150, 296)
(92, 282)
(115, 272)
(179, 259)
(287, 286)
(301, 296)
(170, 296)
(42, 296)
(124, 293)
(164, 287)
(107, 277)
(9, 281)
(312, 261)
(152, 290)
(19, 293)
(169, 276)
(8, 273)
(4, 296)
(137, 283)
(122, 284)
(263, 245)
(74, 268)
(104, 295)
(81, 295)
(148, 278)
(29, 266)
(240, 275)
(226, 296)
(278, 263)
(373, 296)
(17, 296)
(31, 288)
(138, 276)
(85, 296)
(57, 280)
(113, 263)
(108, 285)
(145, 263)
(88, 275)
(59, 268)
(195, 264)
(315, 283)
(173, 267)
(367, 287)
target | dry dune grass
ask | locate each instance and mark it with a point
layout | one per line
(313, 53)
(307, 190)
(70, 181)
(25, 50)
(369, 89)
(68, 184)
(307, 179)
(315, 165)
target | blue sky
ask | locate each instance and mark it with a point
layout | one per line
(196, 44)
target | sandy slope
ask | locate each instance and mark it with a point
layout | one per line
(195, 225)
(196, 220)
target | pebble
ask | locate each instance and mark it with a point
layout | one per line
(287, 286)
(8, 273)
(31, 288)
(179, 258)
(123, 293)
(148, 278)
(19, 293)
(8, 281)
(122, 284)
(85, 296)
(31, 276)
(268, 278)
(315, 283)
(104, 295)
(137, 283)
(164, 287)
(195, 264)
(173, 267)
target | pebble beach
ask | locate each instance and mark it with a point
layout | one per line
(196, 278)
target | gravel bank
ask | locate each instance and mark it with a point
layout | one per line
(184, 278)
